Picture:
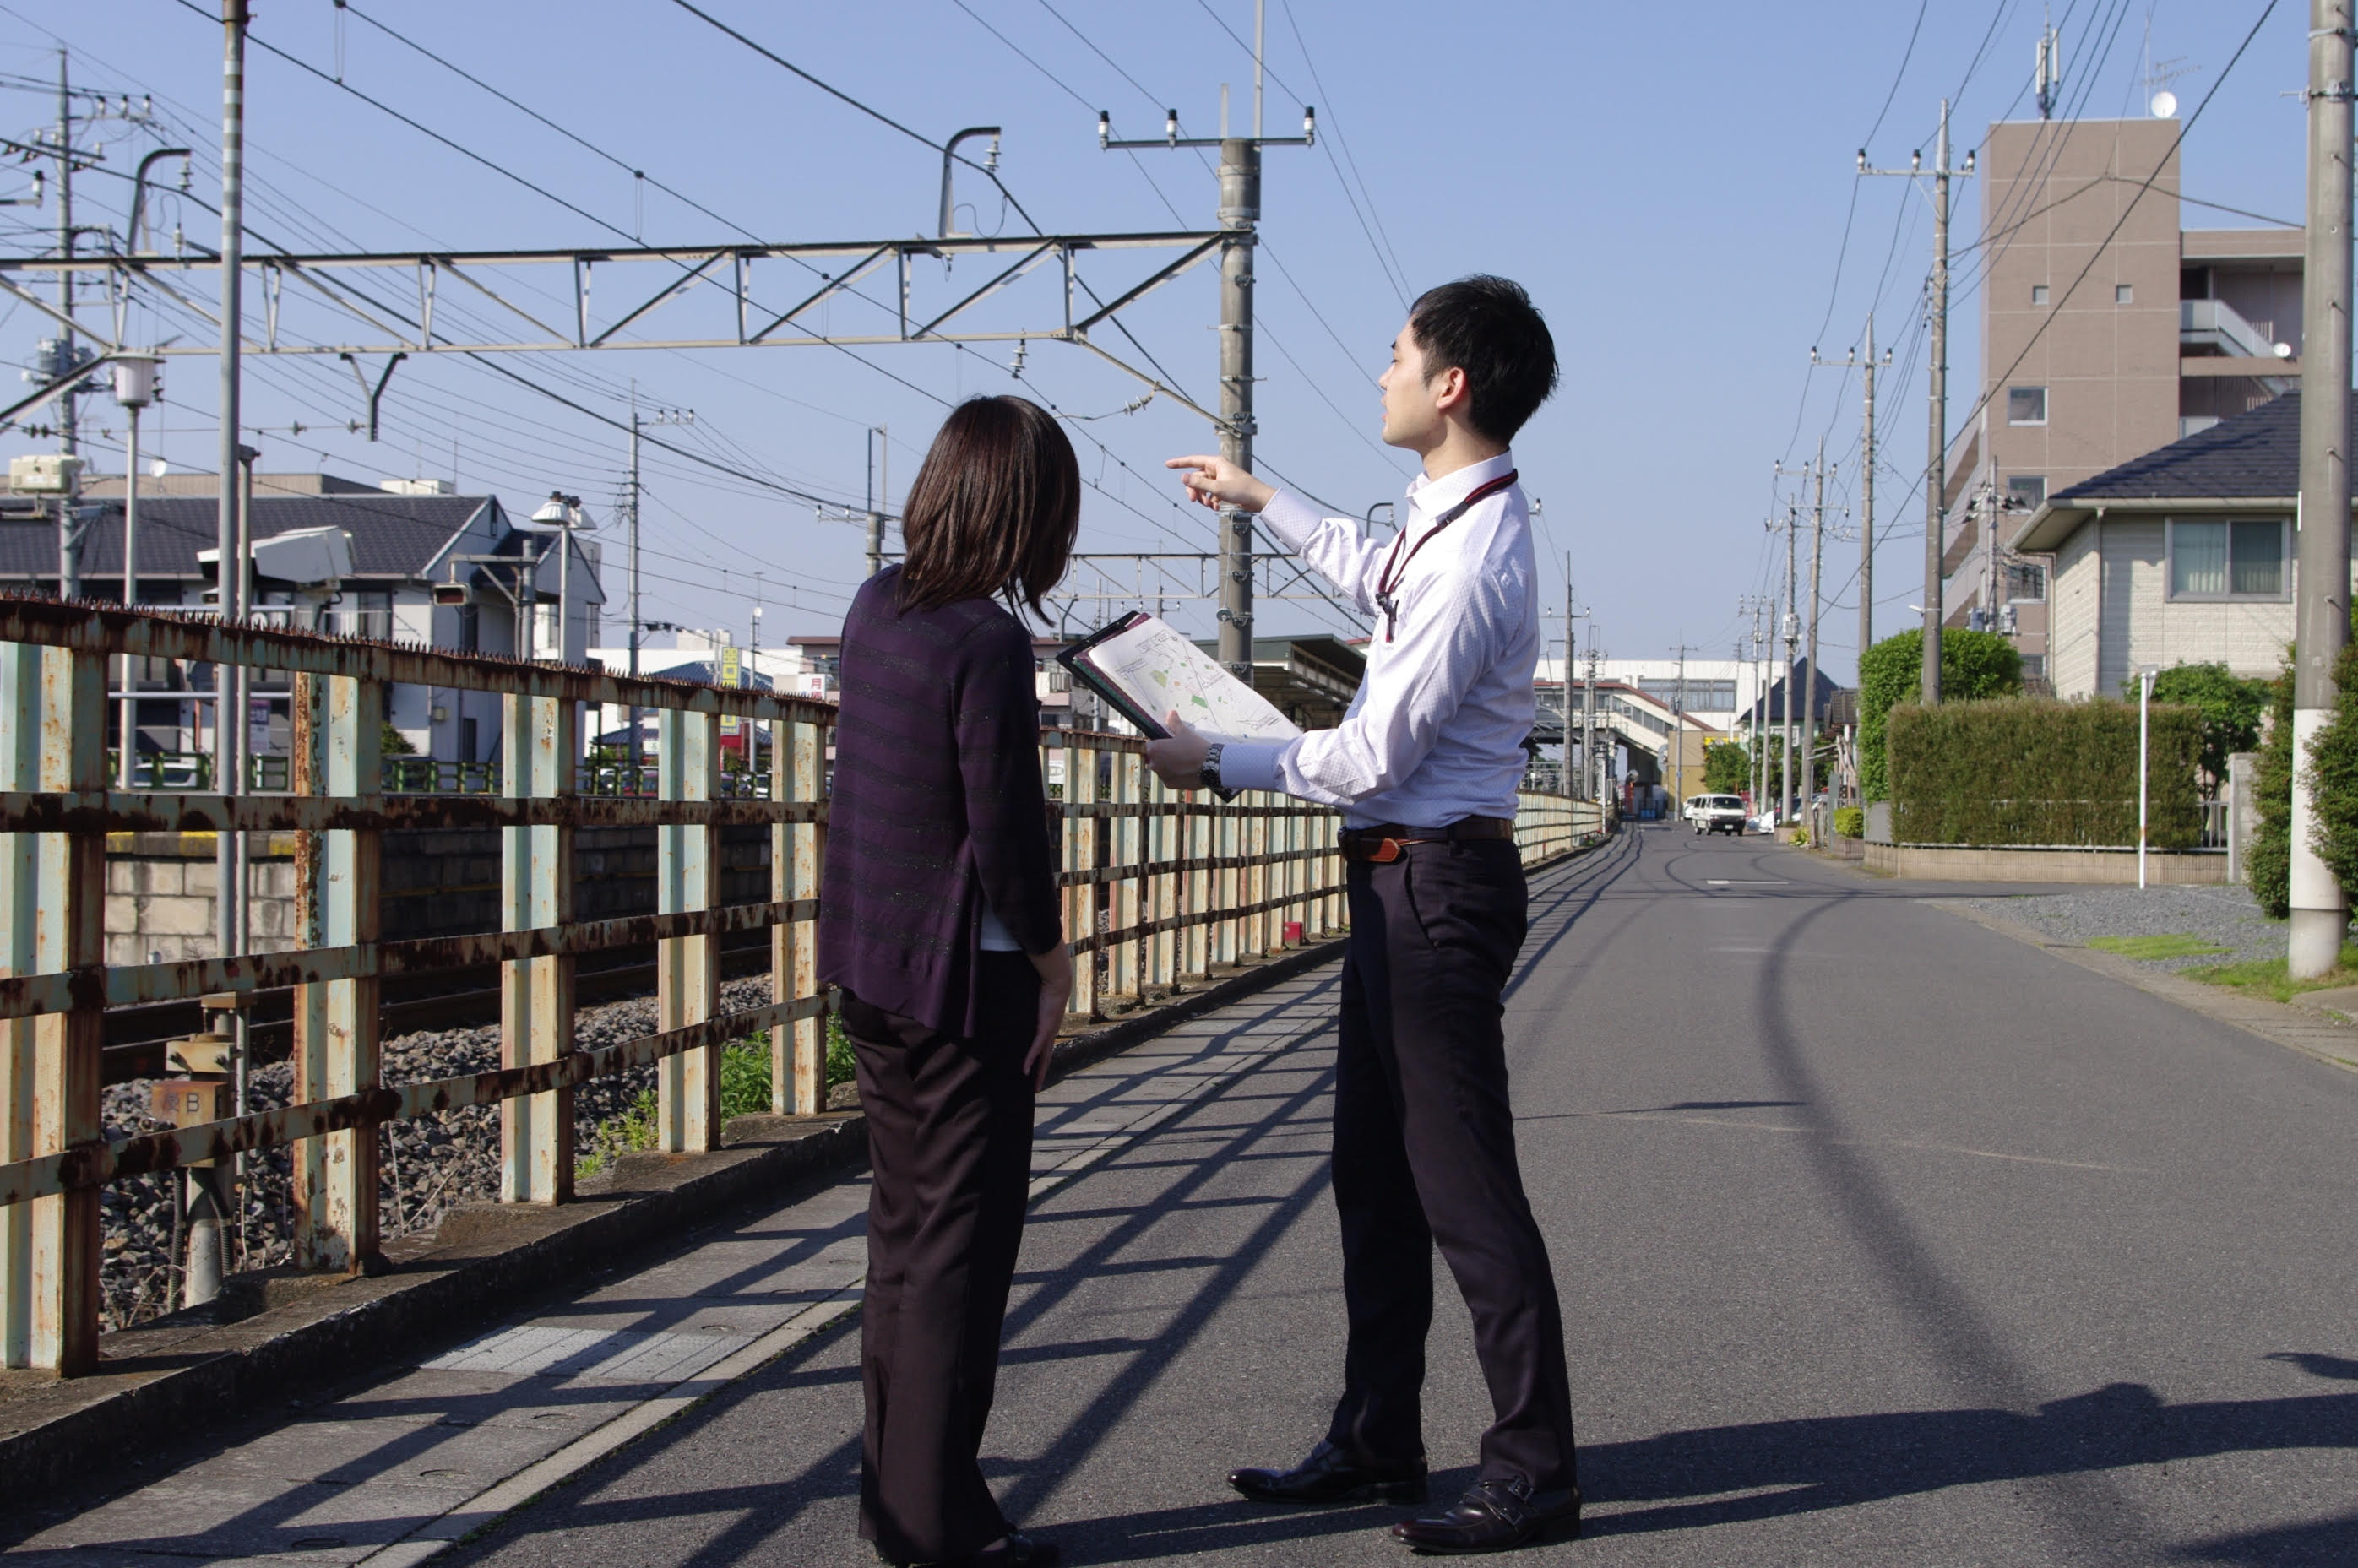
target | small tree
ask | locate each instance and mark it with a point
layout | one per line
(392, 742)
(2268, 863)
(1973, 665)
(1726, 767)
(2231, 707)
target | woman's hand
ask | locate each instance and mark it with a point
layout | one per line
(1216, 481)
(1055, 967)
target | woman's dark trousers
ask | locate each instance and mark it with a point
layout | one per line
(949, 1142)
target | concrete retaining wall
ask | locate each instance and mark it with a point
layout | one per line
(1968, 863)
(161, 887)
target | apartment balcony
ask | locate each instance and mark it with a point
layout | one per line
(2215, 340)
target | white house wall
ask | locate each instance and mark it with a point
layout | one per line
(2132, 592)
(2111, 614)
(2073, 619)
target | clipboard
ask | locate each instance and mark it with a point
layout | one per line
(1184, 675)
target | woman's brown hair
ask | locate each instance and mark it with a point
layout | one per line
(995, 508)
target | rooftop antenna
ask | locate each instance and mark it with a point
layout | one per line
(2051, 67)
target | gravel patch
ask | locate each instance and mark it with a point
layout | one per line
(429, 1166)
(2228, 917)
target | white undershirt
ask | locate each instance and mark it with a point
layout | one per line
(996, 937)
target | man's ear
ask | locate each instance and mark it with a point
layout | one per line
(1452, 391)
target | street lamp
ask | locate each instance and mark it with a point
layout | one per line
(2144, 703)
(566, 515)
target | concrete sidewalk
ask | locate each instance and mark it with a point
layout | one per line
(396, 1470)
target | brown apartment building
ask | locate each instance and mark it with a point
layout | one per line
(2169, 331)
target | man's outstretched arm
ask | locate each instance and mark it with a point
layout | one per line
(1332, 546)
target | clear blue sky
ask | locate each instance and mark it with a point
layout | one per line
(1674, 183)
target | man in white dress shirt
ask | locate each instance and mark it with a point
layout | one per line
(1425, 767)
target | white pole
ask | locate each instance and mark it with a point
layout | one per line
(2145, 702)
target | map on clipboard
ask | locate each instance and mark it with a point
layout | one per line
(1146, 669)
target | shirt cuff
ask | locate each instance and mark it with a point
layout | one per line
(1292, 518)
(1253, 764)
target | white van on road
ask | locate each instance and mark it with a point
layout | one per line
(1716, 813)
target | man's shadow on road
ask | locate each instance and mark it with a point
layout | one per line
(1770, 1470)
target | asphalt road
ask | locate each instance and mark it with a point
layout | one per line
(1883, 1239)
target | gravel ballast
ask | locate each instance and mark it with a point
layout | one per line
(429, 1166)
(2227, 917)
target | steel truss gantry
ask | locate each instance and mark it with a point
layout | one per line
(366, 286)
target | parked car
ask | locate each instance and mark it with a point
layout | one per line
(1716, 813)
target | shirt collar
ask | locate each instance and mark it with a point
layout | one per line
(1432, 497)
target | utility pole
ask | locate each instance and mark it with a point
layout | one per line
(1792, 627)
(1239, 215)
(660, 416)
(134, 389)
(1809, 688)
(69, 417)
(1936, 459)
(229, 713)
(1571, 651)
(1678, 735)
(2321, 912)
(876, 512)
(1591, 766)
(1755, 603)
(1866, 504)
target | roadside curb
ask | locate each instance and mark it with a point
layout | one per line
(2312, 1033)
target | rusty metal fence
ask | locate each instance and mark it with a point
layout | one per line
(1159, 887)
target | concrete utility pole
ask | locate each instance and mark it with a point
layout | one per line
(1792, 630)
(1866, 507)
(660, 416)
(2320, 911)
(134, 389)
(875, 510)
(69, 419)
(1239, 215)
(1810, 688)
(1937, 312)
(1592, 763)
(229, 715)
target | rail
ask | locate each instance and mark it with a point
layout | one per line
(1161, 889)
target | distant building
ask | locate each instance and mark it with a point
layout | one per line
(2168, 331)
(2184, 554)
(401, 545)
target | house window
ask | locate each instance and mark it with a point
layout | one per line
(2039, 294)
(2124, 295)
(2025, 491)
(2034, 666)
(2239, 559)
(2025, 583)
(2026, 405)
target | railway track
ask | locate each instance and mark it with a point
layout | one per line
(458, 999)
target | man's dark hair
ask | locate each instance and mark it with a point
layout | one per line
(1488, 328)
(995, 509)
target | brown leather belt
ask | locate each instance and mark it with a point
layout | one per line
(1383, 844)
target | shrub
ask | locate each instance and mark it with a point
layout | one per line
(1850, 822)
(2041, 772)
(2267, 862)
(1974, 665)
(2230, 707)
(2332, 762)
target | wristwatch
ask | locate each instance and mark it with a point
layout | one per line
(1211, 768)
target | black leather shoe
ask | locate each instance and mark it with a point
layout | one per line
(1494, 1516)
(1330, 1475)
(1016, 1549)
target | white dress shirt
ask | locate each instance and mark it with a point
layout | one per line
(1436, 730)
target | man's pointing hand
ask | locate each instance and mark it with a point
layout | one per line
(1216, 481)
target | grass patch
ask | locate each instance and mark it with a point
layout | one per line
(2267, 977)
(745, 1091)
(2175, 945)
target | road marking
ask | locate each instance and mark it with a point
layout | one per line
(1871, 1143)
(1729, 883)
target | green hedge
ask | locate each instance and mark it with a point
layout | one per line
(1974, 665)
(2036, 772)
(2269, 861)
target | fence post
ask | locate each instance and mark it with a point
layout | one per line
(20, 875)
(1081, 900)
(798, 1051)
(1129, 853)
(687, 969)
(52, 1305)
(337, 754)
(537, 994)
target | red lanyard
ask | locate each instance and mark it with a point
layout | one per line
(1391, 577)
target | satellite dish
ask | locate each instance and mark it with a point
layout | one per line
(2165, 105)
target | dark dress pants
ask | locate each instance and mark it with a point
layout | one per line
(1424, 1152)
(949, 1145)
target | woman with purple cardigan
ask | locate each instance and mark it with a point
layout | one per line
(938, 918)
